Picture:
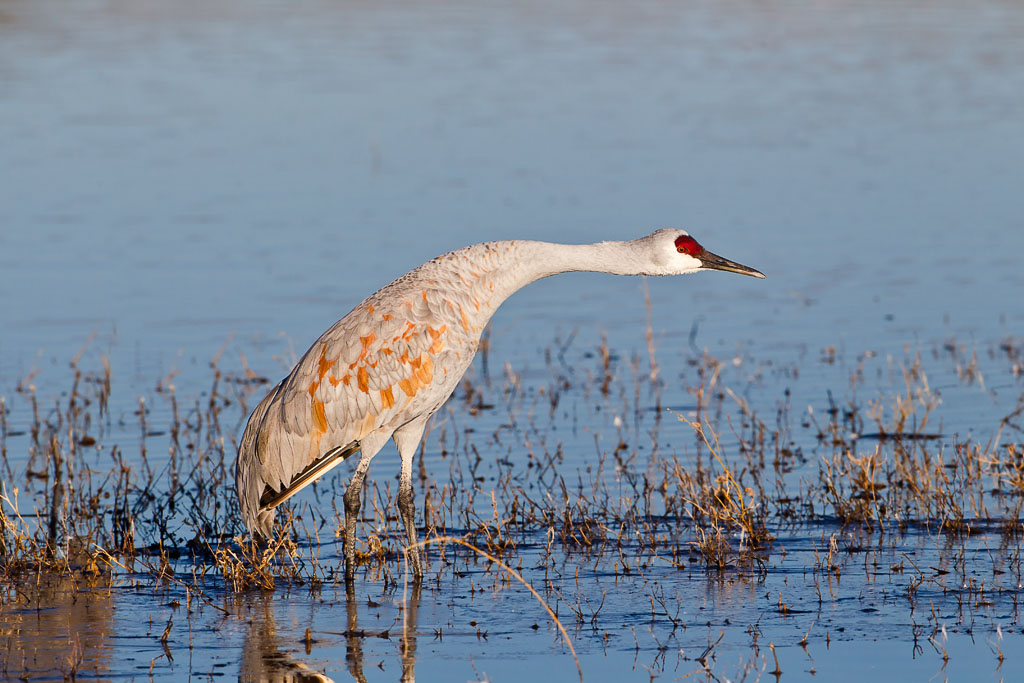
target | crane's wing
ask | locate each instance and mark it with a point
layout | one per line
(374, 370)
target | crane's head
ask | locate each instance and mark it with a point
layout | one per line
(676, 253)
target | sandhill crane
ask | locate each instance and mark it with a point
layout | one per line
(380, 372)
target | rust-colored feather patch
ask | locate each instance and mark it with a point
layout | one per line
(324, 365)
(367, 340)
(408, 387)
(319, 416)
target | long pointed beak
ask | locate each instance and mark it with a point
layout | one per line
(716, 262)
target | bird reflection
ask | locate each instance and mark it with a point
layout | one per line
(354, 636)
(412, 608)
(264, 662)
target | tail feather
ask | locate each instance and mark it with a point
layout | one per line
(264, 524)
(261, 481)
(249, 480)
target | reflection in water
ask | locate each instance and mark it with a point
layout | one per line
(262, 660)
(412, 608)
(57, 630)
(354, 636)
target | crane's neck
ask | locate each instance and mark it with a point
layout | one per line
(541, 259)
(502, 268)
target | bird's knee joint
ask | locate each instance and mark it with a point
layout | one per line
(353, 498)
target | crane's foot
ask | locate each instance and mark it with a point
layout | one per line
(412, 556)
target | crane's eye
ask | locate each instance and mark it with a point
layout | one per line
(687, 245)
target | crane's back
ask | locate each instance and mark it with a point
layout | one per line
(395, 357)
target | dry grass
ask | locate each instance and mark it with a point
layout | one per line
(91, 501)
(721, 508)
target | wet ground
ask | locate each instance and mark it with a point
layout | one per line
(863, 626)
(189, 195)
(903, 551)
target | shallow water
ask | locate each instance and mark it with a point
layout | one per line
(477, 627)
(182, 181)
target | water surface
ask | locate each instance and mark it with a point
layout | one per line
(179, 181)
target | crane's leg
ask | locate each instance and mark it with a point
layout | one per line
(407, 439)
(354, 501)
(369, 446)
(407, 506)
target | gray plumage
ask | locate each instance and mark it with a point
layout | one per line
(382, 370)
